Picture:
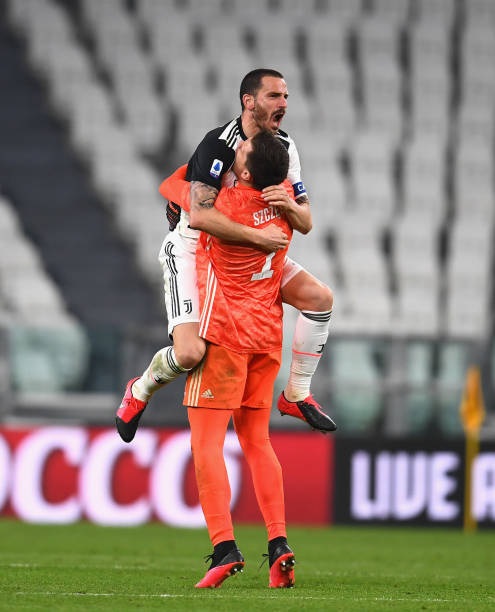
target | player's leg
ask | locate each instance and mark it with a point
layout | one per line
(314, 300)
(209, 397)
(208, 429)
(181, 302)
(251, 423)
(251, 426)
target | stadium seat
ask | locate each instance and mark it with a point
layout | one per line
(468, 272)
(96, 13)
(381, 87)
(415, 239)
(418, 312)
(365, 277)
(452, 367)
(325, 183)
(476, 49)
(322, 266)
(473, 174)
(419, 407)
(91, 118)
(355, 383)
(377, 38)
(333, 101)
(440, 12)
(429, 98)
(48, 359)
(424, 178)
(373, 189)
(247, 10)
(346, 11)
(70, 75)
(475, 122)
(481, 12)
(274, 45)
(27, 291)
(229, 66)
(396, 12)
(326, 41)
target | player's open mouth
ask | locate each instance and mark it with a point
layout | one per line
(278, 116)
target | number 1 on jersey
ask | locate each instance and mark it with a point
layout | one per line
(266, 271)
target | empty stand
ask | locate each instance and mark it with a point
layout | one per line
(391, 104)
(396, 12)
(380, 77)
(353, 92)
(35, 146)
(424, 178)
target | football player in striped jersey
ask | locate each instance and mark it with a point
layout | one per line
(263, 96)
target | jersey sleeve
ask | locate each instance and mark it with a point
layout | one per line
(211, 160)
(294, 173)
(176, 189)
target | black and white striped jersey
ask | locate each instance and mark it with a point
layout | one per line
(212, 161)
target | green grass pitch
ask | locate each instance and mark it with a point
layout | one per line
(84, 566)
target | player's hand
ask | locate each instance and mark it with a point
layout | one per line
(276, 195)
(271, 238)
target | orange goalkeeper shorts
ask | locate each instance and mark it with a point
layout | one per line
(228, 380)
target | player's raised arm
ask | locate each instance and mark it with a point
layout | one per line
(176, 189)
(297, 211)
(204, 216)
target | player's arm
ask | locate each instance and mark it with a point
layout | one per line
(176, 189)
(204, 216)
(291, 195)
(297, 211)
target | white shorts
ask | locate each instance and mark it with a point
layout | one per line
(178, 260)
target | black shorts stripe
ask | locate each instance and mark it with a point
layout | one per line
(172, 268)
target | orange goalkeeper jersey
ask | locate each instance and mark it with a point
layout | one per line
(239, 286)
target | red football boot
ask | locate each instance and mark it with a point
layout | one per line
(129, 413)
(232, 563)
(307, 410)
(282, 563)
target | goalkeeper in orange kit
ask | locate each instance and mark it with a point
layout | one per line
(241, 320)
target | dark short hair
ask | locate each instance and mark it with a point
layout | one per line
(251, 83)
(268, 160)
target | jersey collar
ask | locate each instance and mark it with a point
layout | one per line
(241, 131)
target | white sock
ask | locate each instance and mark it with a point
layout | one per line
(309, 341)
(164, 368)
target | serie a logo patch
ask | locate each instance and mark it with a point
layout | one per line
(216, 168)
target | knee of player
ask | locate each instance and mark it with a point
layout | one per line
(322, 298)
(189, 356)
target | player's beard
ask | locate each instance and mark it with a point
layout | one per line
(264, 120)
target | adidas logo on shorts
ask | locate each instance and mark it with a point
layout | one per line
(207, 394)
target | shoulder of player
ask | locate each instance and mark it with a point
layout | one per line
(214, 155)
(286, 139)
(223, 137)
